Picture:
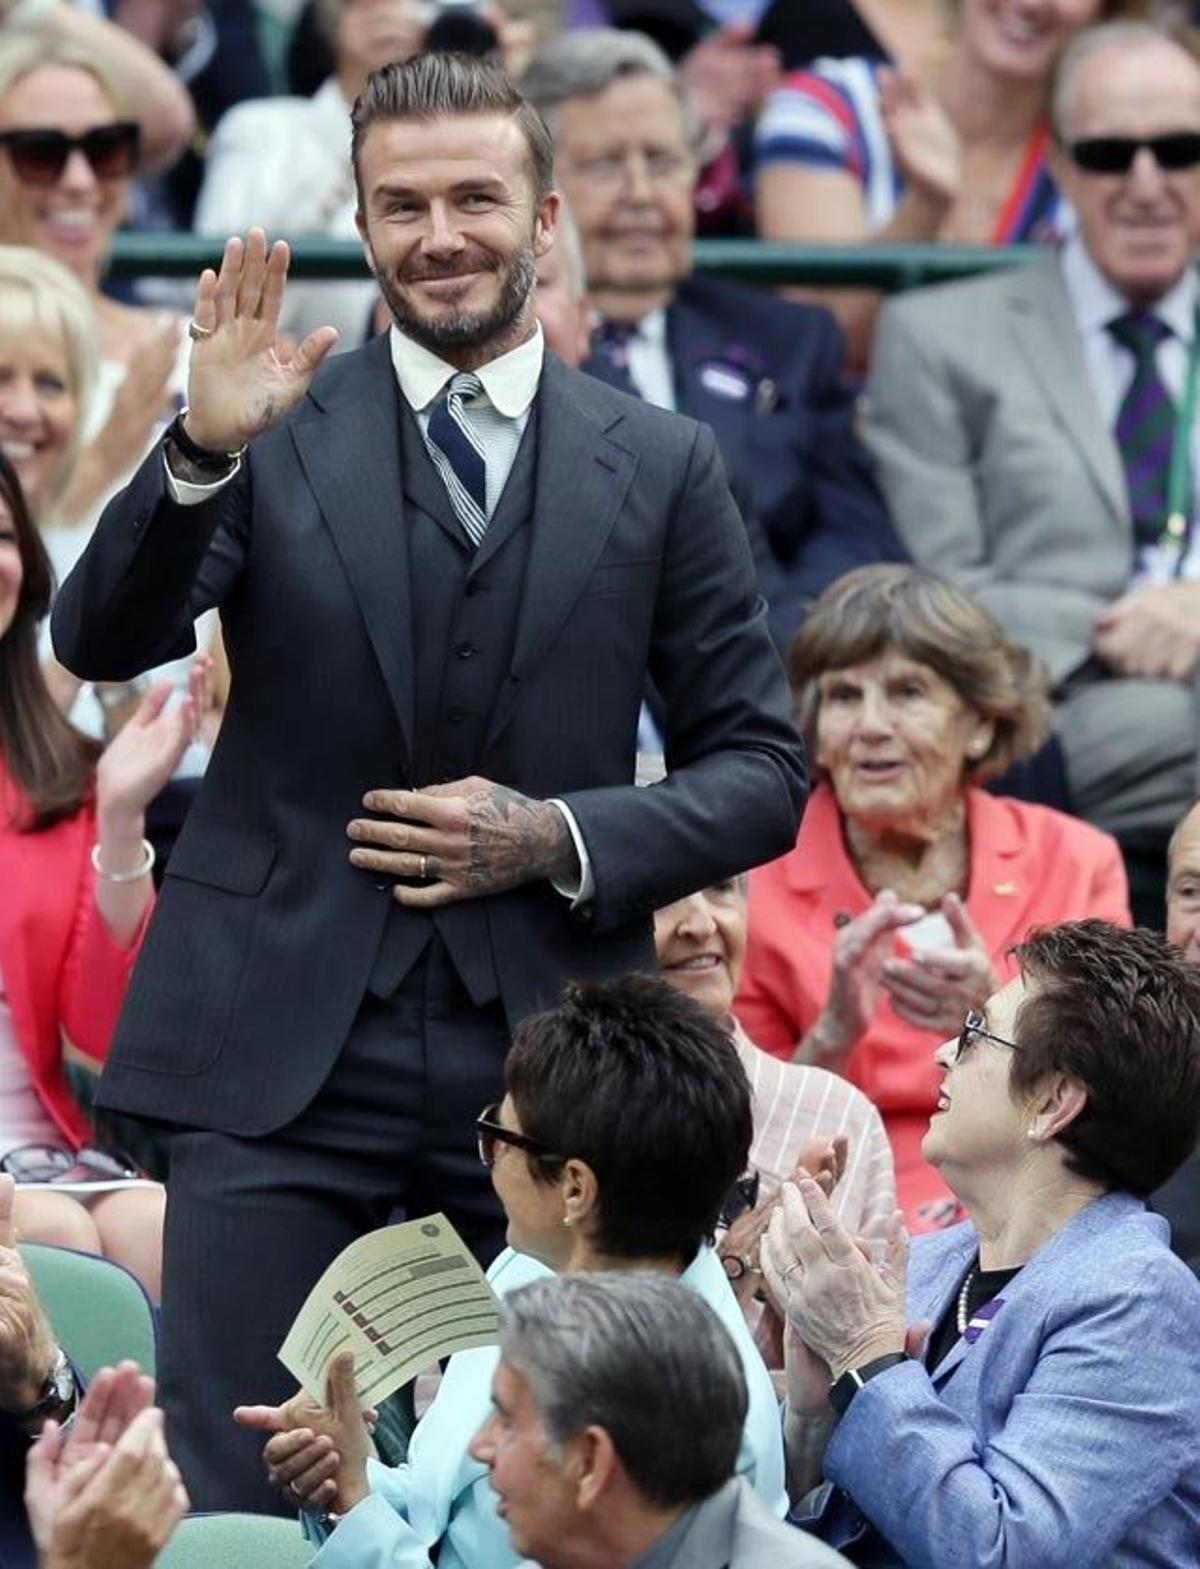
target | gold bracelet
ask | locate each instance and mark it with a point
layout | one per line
(143, 870)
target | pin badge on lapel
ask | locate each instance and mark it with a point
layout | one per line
(766, 396)
(981, 1318)
(724, 380)
(1004, 889)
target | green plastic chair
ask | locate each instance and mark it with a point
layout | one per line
(100, 1312)
(233, 1541)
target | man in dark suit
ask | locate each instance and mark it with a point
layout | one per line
(445, 567)
(764, 373)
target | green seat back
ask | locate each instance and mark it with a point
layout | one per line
(100, 1313)
(233, 1541)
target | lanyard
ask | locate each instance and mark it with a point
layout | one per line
(1180, 490)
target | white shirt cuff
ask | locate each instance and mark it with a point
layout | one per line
(185, 493)
(577, 889)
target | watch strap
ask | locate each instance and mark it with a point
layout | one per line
(58, 1391)
(843, 1391)
(202, 457)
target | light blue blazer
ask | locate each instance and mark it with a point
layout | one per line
(1066, 1435)
(440, 1495)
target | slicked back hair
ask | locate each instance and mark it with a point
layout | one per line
(646, 1087)
(642, 1357)
(440, 86)
(1120, 1012)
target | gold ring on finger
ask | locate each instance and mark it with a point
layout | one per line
(197, 333)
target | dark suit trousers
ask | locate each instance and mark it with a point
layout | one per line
(393, 1128)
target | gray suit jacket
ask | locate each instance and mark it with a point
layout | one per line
(734, 1529)
(997, 466)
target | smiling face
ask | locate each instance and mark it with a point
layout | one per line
(978, 1133)
(530, 1475)
(628, 174)
(38, 411)
(1141, 228)
(11, 569)
(75, 218)
(453, 231)
(701, 943)
(1021, 39)
(895, 737)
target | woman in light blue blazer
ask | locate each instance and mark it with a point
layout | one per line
(625, 1123)
(1025, 1392)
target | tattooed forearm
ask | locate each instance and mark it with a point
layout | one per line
(513, 839)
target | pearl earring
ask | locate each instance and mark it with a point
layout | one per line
(1031, 1133)
(566, 1220)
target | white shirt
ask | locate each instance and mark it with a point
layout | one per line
(1095, 303)
(650, 367)
(500, 413)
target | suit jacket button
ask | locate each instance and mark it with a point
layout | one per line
(466, 651)
(456, 714)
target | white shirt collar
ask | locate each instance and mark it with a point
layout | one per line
(510, 382)
(1095, 301)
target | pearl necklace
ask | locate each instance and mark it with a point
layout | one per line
(963, 1295)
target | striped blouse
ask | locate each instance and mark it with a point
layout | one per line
(828, 117)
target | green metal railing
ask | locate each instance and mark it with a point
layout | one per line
(887, 267)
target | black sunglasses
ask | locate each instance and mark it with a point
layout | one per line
(490, 1131)
(1115, 154)
(39, 157)
(973, 1026)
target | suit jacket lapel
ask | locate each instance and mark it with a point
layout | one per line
(1044, 327)
(582, 480)
(692, 344)
(348, 441)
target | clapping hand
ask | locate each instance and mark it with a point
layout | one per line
(243, 377)
(860, 951)
(317, 1455)
(935, 989)
(146, 751)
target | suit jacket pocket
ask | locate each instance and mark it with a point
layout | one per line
(622, 577)
(200, 944)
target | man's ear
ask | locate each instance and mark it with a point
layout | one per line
(545, 223)
(360, 223)
(592, 1462)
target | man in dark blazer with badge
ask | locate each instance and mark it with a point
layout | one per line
(766, 374)
(446, 566)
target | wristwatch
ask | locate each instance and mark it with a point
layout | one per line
(58, 1391)
(843, 1391)
(215, 463)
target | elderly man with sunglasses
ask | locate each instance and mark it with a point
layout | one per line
(1036, 436)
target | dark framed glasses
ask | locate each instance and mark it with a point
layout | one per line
(490, 1131)
(975, 1028)
(1115, 154)
(39, 157)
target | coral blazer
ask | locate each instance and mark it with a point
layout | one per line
(1030, 866)
(64, 973)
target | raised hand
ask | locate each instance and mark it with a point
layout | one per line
(934, 989)
(27, 1344)
(468, 839)
(924, 143)
(317, 1454)
(243, 379)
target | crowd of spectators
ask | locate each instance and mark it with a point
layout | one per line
(973, 516)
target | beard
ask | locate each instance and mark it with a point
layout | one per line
(462, 328)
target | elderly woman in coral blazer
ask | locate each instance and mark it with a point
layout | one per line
(908, 884)
(75, 892)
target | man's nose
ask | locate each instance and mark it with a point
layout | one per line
(1145, 176)
(638, 183)
(443, 234)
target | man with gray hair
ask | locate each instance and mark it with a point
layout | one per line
(617, 1411)
(764, 373)
(1035, 433)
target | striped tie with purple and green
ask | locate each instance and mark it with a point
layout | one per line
(1145, 424)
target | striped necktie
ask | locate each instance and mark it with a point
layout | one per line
(458, 455)
(1145, 424)
(610, 345)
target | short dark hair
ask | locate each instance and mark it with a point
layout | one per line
(643, 1357)
(645, 1086)
(438, 86)
(1119, 1011)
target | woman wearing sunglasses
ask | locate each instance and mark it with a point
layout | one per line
(625, 1121)
(75, 892)
(1025, 1389)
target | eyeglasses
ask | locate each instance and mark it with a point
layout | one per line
(742, 1196)
(490, 1131)
(611, 169)
(39, 157)
(973, 1025)
(50, 1163)
(1115, 154)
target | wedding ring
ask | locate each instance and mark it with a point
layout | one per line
(197, 333)
(424, 873)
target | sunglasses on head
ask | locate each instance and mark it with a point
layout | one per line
(1115, 154)
(39, 157)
